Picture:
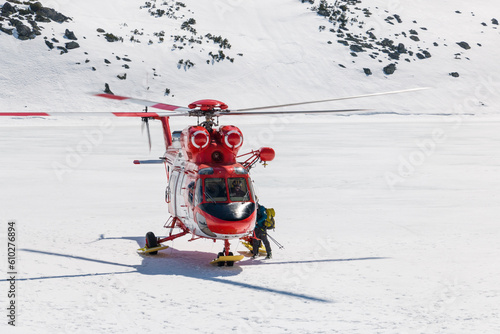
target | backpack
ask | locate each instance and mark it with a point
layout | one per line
(269, 223)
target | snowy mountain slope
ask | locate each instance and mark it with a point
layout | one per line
(389, 219)
(283, 51)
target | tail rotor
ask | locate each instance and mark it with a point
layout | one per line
(145, 124)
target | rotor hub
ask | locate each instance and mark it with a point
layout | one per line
(208, 105)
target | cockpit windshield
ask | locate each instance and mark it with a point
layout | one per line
(216, 190)
(238, 191)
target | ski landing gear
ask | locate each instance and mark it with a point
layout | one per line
(247, 241)
(226, 257)
(152, 245)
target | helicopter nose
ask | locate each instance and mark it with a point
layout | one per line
(218, 226)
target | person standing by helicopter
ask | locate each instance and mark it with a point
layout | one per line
(260, 233)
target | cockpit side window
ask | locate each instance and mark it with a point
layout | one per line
(198, 195)
(252, 189)
(238, 190)
(215, 190)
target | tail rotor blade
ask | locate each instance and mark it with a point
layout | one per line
(145, 123)
(149, 135)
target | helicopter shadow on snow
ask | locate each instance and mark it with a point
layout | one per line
(192, 264)
(167, 262)
(195, 264)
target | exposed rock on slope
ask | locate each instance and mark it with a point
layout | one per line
(21, 18)
(354, 27)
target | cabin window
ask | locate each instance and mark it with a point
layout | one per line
(238, 190)
(206, 171)
(215, 190)
(191, 192)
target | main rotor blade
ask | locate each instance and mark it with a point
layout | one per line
(335, 99)
(146, 103)
(92, 114)
(257, 113)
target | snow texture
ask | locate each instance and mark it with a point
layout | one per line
(389, 217)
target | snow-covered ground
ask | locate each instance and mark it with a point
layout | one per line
(389, 225)
(389, 218)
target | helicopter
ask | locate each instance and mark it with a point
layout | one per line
(209, 191)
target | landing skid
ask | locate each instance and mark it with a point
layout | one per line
(146, 250)
(154, 244)
(226, 257)
(247, 242)
(228, 260)
(262, 249)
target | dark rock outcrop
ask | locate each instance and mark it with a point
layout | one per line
(36, 6)
(464, 45)
(24, 20)
(390, 69)
(401, 48)
(49, 44)
(394, 55)
(111, 38)
(45, 13)
(6, 30)
(107, 90)
(23, 31)
(8, 9)
(356, 48)
(36, 29)
(70, 35)
(72, 45)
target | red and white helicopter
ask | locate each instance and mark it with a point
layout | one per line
(209, 193)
